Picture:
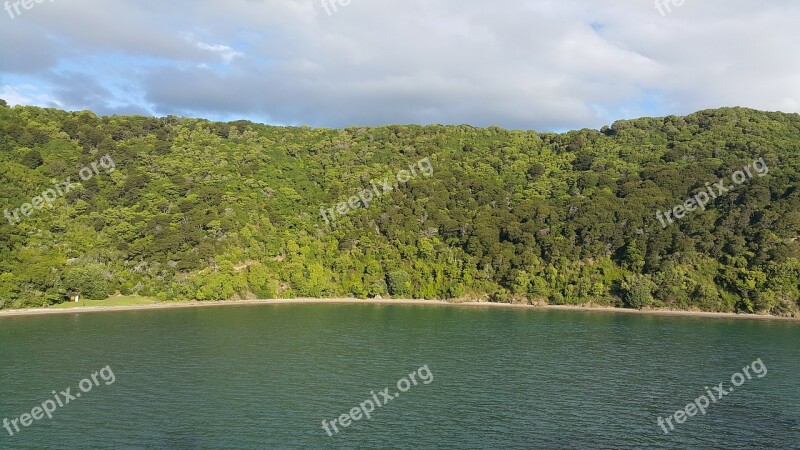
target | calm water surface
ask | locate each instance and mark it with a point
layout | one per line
(266, 376)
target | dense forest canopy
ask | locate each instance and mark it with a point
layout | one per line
(191, 209)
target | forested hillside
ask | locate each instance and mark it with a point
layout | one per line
(192, 209)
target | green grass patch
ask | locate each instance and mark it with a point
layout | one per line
(117, 300)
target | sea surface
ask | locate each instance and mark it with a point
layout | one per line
(266, 376)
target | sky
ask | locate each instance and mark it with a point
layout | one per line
(547, 65)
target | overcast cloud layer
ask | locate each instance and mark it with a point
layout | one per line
(530, 64)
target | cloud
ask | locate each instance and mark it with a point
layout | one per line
(28, 95)
(25, 49)
(227, 54)
(547, 64)
(81, 91)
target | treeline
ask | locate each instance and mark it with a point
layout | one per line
(209, 211)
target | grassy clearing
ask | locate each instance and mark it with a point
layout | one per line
(117, 300)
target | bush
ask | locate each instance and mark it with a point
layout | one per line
(556, 298)
(89, 280)
(637, 291)
(501, 295)
(32, 159)
(399, 283)
(376, 288)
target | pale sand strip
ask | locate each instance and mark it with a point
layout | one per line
(193, 304)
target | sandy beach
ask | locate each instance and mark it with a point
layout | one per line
(440, 303)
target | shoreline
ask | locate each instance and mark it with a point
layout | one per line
(344, 301)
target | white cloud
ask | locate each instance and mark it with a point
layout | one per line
(27, 95)
(226, 53)
(545, 64)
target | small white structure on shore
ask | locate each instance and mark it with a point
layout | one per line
(74, 297)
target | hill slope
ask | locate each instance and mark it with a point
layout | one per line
(192, 209)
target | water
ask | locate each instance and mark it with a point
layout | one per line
(266, 376)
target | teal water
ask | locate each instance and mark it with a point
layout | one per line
(266, 376)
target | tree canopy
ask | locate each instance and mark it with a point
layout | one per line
(210, 211)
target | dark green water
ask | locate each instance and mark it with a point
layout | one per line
(266, 377)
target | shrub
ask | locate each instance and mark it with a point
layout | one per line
(89, 280)
(399, 283)
(637, 291)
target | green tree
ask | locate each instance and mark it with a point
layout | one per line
(637, 291)
(32, 159)
(89, 280)
(8, 289)
(399, 283)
